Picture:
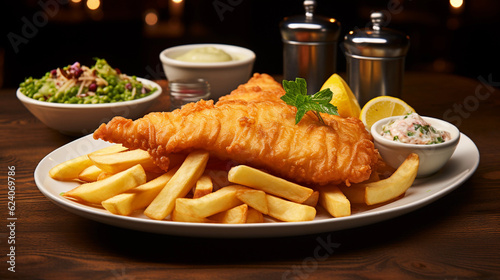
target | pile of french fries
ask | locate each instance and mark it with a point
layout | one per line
(124, 181)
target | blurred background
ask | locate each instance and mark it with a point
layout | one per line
(451, 36)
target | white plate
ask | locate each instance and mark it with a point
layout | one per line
(461, 166)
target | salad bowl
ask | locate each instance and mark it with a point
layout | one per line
(76, 99)
(82, 119)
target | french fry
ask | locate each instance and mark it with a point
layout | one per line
(394, 186)
(312, 200)
(103, 175)
(115, 148)
(254, 198)
(178, 216)
(210, 204)
(251, 177)
(203, 186)
(334, 201)
(254, 216)
(375, 191)
(114, 163)
(90, 174)
(96, 192)
(139, 197)
(288, 211)
(235, 215)
(356, 193)
(181, 183)
(149, 175)
(69, 170)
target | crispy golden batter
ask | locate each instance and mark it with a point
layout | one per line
(259, 87)
(253, 126)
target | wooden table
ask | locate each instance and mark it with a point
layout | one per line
(455, 237)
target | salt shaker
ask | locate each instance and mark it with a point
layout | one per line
(309, 47)
(187, 91)
(375, 60)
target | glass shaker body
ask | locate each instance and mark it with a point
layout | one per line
(187, 91)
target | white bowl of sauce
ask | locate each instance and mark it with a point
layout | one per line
(223, 66)
(433, 140)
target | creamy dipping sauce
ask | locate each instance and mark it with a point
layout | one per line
(205, 54)
(412, 129)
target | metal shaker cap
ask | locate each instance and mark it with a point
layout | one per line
(376, 40)
(309, 28)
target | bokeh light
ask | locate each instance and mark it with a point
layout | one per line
(151, 18)
(93, 4)
(456, 3)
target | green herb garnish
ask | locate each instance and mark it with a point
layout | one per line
(437, 141)
(424, 129)
(296, 95)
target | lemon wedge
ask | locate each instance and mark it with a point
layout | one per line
(343, 98)
(382, 107)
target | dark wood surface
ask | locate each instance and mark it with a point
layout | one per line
(456, 237)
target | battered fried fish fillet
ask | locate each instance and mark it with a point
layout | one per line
(259, 87)
(253, 126)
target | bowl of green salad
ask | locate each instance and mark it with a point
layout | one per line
(76, 99)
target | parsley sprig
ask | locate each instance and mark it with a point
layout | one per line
(296, 95)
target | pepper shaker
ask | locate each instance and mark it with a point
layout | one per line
(375, 60)
(309, 47)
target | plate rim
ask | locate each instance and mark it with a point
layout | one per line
(279, 229)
